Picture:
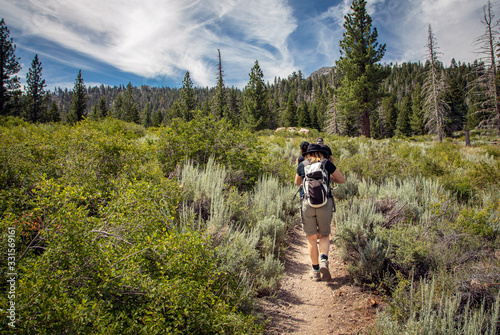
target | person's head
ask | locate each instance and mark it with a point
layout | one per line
(315, 152)
(303, 146)
(319, 140)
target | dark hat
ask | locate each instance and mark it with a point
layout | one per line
(319, 140)
(303, 146)
(313, 147)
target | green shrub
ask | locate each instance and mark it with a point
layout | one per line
(426, 310)
(475, 222)
(122, 272)
(202, 138)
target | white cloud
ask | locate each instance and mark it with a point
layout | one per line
(153, 38)
(455, 24)
(165, 38)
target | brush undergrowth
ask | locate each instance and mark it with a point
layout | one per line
(120, 229)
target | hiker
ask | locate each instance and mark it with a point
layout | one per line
(328, 151)
(317, 218)
(303, 148)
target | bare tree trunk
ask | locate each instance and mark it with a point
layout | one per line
(433, 60)
(488, 21)
(366, 123)
(486, 46)
(467, 138)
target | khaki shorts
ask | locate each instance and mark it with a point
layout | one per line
(317, 220)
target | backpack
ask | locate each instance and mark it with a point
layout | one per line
(316, 183)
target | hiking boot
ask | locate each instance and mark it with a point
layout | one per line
(315, 275)
(323, 269)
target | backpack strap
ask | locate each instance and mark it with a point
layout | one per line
(324, 161)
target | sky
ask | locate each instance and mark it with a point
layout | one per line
(155, 42)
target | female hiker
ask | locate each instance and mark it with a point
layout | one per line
(314, 175)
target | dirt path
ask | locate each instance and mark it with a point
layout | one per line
(302, 306)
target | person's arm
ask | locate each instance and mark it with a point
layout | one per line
(336, 177)
(298, 180)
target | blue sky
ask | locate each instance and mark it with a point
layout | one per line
(154, 42)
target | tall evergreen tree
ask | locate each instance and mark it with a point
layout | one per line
(125, 107)
(130, 112)
(234, 105)
(313, 114)
(388, 117)
(304, 118)
(417, 122)
(35, 92)
(157, 118)
(290, 113)
(52, 113)
(146, 118)
(9, 67)
(455, 99)
(99, 111)
(188, 99)
(256, 111)
(403, 121)
(360, 53)
(79, 102)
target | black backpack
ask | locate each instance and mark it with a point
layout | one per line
(316, 183)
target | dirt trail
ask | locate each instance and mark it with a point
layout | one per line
(302, 306)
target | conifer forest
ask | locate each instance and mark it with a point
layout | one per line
(157, 210)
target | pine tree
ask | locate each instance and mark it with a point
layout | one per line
(256, 111)
(157, 118)
(388, 117)
(403, 127)
(304, 118)
(417, 112)
(130, 110)
(188, 99)
(9, 67)
(52, 113)
(79, 102)
(35, 92)
(290, 113)
(99, 111)
(146, 120)
(234, 106)
(313, 114)
(360, 53)
(118, 107)
(455, 99)
(125, 107)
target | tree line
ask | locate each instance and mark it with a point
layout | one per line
(357, 96)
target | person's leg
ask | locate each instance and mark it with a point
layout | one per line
(313, 248)
(312, 241)
(324, 244)
(324, 226)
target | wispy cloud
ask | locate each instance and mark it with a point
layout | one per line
(153, 38)
(157, 39)
(455, 23)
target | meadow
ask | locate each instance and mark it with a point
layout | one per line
(121, 229)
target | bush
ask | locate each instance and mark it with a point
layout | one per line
(239, 151)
